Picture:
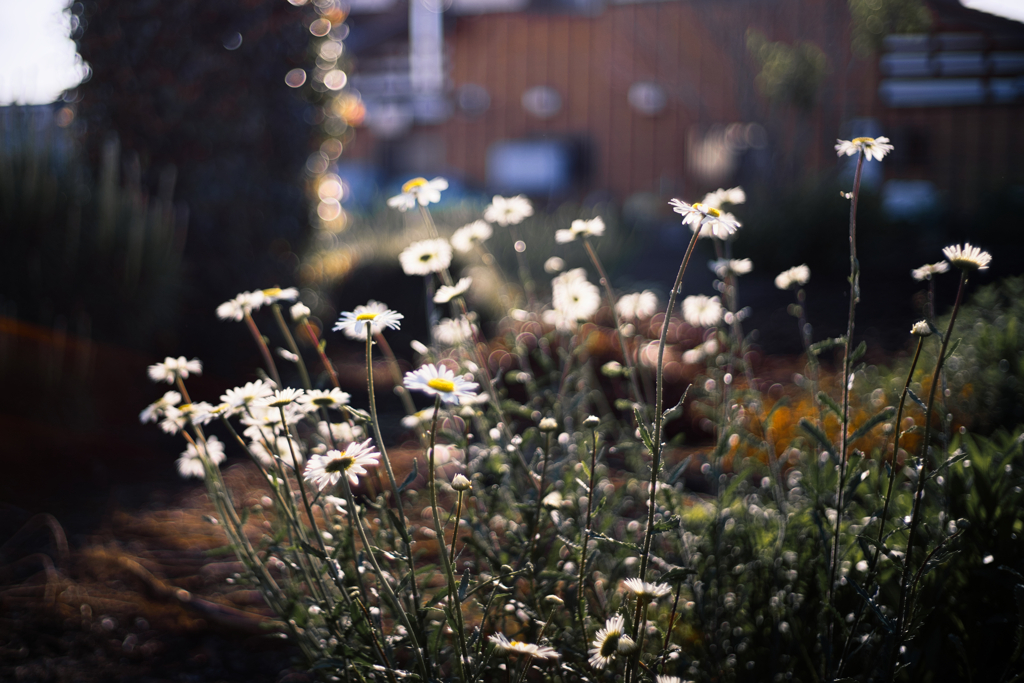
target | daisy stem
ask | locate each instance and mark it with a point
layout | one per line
(396, 374)
(671, 623)
(389, 593)
(845, 434)
(581, 592)
(268, 358)
(455, 531)
(540, 503)
(885, 506)
(323, 356)
(454, 604)
(923, 462)
(292, 346)
(414, 590)
(626, 356)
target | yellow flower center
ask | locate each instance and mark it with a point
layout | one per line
(366, 316)
(862, 141)
(273, 291)
(413, 184)
(439, 384)
(707, 210)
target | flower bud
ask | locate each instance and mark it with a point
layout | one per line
(461, 483)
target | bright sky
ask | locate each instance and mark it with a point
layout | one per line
(37, 59)
(1011, 9)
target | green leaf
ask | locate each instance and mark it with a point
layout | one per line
(677, 410)
(858, 352)
(312, 550)
(831, 404)
(872, 422)
(818, 348)
(644, 434)
(819, 436)
(463, 586)
(952, 350)
(667, 524)
(951, 460)
(676, 574)
(916, 399)
(412, 475)
(397, 523)
(874, 607)
(678, 471)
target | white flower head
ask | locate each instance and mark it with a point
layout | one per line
(554, 265)
(734, 195)
(724, 267)
(967, 257)
(326, 470)
(797, 275)
(610, 641)
(275, 294)
(374, 315)
(242, 305)
(580, 228)
(922, 328)
(300, 312)
(435, 380)
(507, 647)
(243, 396)
(574, 297)
(928, 270)
(155, 410)
(644, 590)
(426, 257)
(190, 464)
(873, 148)
(708, 220)
(280, 398)
(669, 679)
(177, 417)
(508, 210)
(278, 448)
(335, 398)
(702, 311)
(465, 238)
(452, 332)
(173, 368)
(418, 191)
(446, 293)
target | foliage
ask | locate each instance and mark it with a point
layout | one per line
(790, 74)
(875, 19)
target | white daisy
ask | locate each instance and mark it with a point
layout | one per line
(554, 265)
(637, 306)
(668, 679)
(716, 199)
(177, 417)
(419, 418)
(702, 311)
(335, 398)
(288, 355)
(580, 228)
(375, 314)
(426, 257)
(573, 296)
(466, 237)
(921, 329)
(436, 380)
(706, 219)
(797, 275)
(300, 312)
(515, 647)
(325, 471)
(156, 409)
(242, 304)
(173, 368)
(191, 465)
(508, 210)
(339, 432)
(281, 448)
(446, 293)
(926, 271)
(724, 267)
(275, 294)
(643, 589)
(967, 257)
(280, 398)
(610, 641)
(452, 332)
(873, 148)
(243, 396)
(418, 190)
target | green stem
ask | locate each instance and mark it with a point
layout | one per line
(581, 589)
(268, 358)
(290, 340)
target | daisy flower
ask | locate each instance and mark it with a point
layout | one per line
(452, 332)
(702, 311)
(508, 210)
(797, 275)
(968, 257)
(610, 641)
(243, 396)
(280, 398)
(335, 398)
(300, 312)
(515, 647)
(573, 296)
(436, 380)
(156, 409)
(580, 228)
(723, 267)
(466, 237)
(418, 190)
(190, 464)
(275, 294)
(734, 195)
(639, 305)
(554, 265)
(446, 293)
(242, 304)
(426, 257)
(667, 679)
(706, 219)
(173, 368)
(374, 314)
(873, 148)
(419, 418)
(177, 417)
(643, 589)
(281, 448)
(926, 271)
(921, 329)
(326, 470)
